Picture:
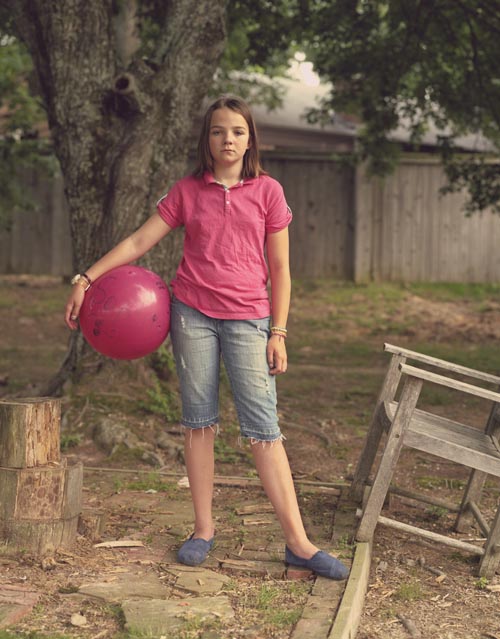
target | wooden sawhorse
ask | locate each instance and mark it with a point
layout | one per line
(408, 426)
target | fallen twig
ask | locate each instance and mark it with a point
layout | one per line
(413, 631)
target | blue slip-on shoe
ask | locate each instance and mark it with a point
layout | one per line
(321, 563)
(193, 552)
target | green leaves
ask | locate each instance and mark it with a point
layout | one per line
(433, 63)
(20, 115)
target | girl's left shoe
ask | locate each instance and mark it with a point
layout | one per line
(193, 552)
(320, 563)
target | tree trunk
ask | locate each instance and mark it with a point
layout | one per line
(121, 122)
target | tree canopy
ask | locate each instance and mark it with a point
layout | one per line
(425, 62)
(21, 112)
(428, 62)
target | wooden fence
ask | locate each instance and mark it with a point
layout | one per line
(320, 194)
(39, 239)
(345, 226)
(406, 231)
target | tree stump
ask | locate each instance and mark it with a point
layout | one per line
(29, 432)
(40, 493)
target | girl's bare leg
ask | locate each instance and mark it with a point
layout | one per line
(199, 456)
(274, 471)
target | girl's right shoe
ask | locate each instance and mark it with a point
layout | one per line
(193, 552)
(320, 563)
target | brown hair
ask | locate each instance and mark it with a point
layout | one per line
(251, 159)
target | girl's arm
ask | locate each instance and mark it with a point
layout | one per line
(128, 250)
(279, 271)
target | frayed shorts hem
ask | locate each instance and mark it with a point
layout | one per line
(256, 436)
(253, 436)
(202, 423)
(259, 440)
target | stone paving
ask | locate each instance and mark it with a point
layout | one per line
(133, 582)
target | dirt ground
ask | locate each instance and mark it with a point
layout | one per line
(336, 367)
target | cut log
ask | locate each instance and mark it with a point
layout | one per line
(39, 507)
(44, 493)
(40, 493)
(29, 432)
(39, 537)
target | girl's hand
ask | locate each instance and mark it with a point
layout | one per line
(73, 305)
(276, 355)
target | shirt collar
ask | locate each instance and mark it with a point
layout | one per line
(209, 179)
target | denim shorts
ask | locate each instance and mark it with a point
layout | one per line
(198, 343)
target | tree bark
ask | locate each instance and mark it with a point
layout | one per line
(121, 123)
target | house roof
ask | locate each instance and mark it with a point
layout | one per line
(287, 125)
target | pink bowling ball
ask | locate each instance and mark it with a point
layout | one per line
(126, 313)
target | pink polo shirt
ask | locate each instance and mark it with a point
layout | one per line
(223, 272)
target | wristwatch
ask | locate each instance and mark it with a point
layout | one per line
(83, 279)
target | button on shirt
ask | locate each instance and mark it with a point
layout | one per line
(223, 271)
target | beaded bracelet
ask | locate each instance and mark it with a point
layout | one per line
(278, 329)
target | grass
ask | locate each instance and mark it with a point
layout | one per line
(279, 604)
(152, 481)
(161, 400)
(337, 330)
(440, 482)
(453, 291)
(481, 583)
(69, 440)
(410, 591)
(5, 634)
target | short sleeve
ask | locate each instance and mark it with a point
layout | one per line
(279, 214)
(170, 207)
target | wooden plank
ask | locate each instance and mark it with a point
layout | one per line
(472, 493)
(424, 421)
(491, 558)
(377, 426)
(481, 521)
(348, 616)
(441, 363)
(430, 536)
(469, 452)
(251, 509)
(454, 433)
(389, 459)
(258, 520)
(423, 497)
(72, 503)
(29, 432)
(464, 387)
(477, 478)
(363, 223)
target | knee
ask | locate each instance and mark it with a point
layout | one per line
(199, 435)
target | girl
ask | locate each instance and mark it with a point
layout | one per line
(234, 215)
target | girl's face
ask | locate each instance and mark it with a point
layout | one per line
(229, 138)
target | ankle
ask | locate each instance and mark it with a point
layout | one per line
(304, 549)
(204, 532)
